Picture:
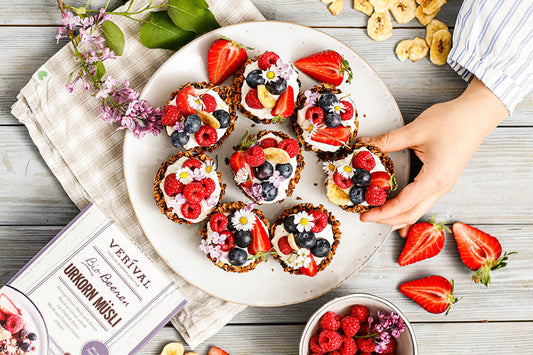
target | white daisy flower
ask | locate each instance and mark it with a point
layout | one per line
(309, 129)
(208, 168)
(346, 171)
(329, 166)
(270, 74)
(302, 259)
(243, 220)
(185, 175)
(196, 103)
(337, 107)
(304, 221)
(241, 177)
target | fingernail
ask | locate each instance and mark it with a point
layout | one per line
(363, 140)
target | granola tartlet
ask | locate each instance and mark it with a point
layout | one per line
(187, 187)
(360, 178)
(267, 166)
(235, 238)
(199, 116)
(266, 89)
(305, 238)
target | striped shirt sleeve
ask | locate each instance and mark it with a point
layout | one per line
(493, 40)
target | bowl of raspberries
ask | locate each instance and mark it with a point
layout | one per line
(358, 324)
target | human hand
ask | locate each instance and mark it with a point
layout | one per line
(444, 137)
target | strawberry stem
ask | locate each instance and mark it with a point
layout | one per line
(451, 299)
(235, 43)
(483, 273)
(345, 67)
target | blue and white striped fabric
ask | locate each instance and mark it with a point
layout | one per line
(493, 40)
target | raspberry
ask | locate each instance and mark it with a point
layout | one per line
(348, 111)
(209, 186)
(268, 143)
(194, 192)
(230, 241)
(172, 186)
(171, 115)
(365, 329)
(314, 347)
(390, 347)
(330, 321)
(284, 246)
(321, 221)
(341, 181)
(218, 222)
(254, 156)
(209, 102)
(350, 325)
(334, 353)
(267, 59)
(291, 146)
(252, 100)
(375, 195)
(14, 324)
(329, 340)
(364, 160)
(191, 210)
(360, 312)
(349, 347)
(206, 136)
(365, 345)
(192, 164)
(315, 114)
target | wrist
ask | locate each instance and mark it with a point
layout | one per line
(486, 102)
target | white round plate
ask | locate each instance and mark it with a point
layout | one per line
(267, 285)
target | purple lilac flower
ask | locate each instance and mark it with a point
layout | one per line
(215, 252)
(204, 246)
(276, 179)
(179, 126)
(255, 192)
(212, 200)
(311, 97)
(250, 205)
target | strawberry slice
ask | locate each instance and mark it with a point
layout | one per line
(311, 270)
(224, 58)
(327, 66)
(383, 180)
(216, 351)
(479, 251)
(285, 104)
(236, 162)
(332, 136)
(425, 240)
(183, 103)
(3, 316)
(7, 306)
(260, 239)
(433, 293)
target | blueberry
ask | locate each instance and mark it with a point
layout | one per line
(321, 248)
(32, 336)
(268, 191)
(332, 119)
(264, 171)
(192, 123)
(277, 87)
(305, 239)
(231, 228)
(361, 177)
(289, 224)
(237, 256)
(243, 238)
(223, 118)
(285, 170)
(357, 194)
(255, 78)
(326, 100)
(25, 346)
(179, 139)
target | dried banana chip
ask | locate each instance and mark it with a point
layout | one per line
(379, 26)
(381, 5)
(402, 49)
(336, 7)
(431, 6)
(327, 1)
(364, 6)
(440, 47)
(432, 27)
(403, 10)
(423, 18)
(418, 50)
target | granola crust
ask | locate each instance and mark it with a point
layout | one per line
(228, 208)
(226, 95)
(331, 220)
(323, 155)
(160, 175)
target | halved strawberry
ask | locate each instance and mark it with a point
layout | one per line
(433, 293)
(311, 270)
(3, 316)
(327, 66)
(224, 58)
(332, 136)
(236, 162)
(183, 103)
(260, 239)
(425, 240)
(216, 351)
(285, 104)
(7, 306)
(383, 180)
(479, 251)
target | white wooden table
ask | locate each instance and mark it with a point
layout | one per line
(494, 193)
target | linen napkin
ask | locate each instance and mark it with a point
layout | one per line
(85, 154)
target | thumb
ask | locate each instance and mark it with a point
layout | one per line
(392, 141)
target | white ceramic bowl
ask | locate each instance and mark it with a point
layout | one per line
(406, 342)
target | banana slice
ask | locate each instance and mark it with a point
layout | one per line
(276, 156)
(336, 195)
(403, 10)
(440, 47)
(336, 7)
(327, 1)
(191, 353)
(173, 349)
(381, 5)
(292, 242)
(432, 27)
(208, 119)
(418, 50)
(265, 97)
(364, 6)
(431, 6)
(379, 26)
(402, 49)
(423, 18)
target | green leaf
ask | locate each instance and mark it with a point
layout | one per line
(114, 37)
(160, 32)
(192, 15)
(100, 71)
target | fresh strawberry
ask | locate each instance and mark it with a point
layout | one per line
(364, 160)
(216, 351)
(260, 239)
(7, 306)
(315, 114)
(310, 270)
(424, 240)
(348, 110)
(171, 115)
(268, 143)
(236, 162)
(320, 221)
(479, 251)
(332, 136)
(327, 66)
(266, 60)
(3, 316)
(433, 293)
(209, 102)
(182, 101)
(375, 195)
(285, 104)
(252, 99)
(254, 156)
(383, 180)
(291, 146)
(284, 246)
(341, 181)
(224, 58)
